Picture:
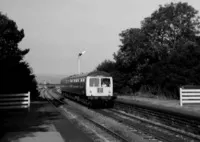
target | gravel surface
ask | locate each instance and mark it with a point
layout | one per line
(79, 110)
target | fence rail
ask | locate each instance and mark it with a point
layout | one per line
(14, 101)
(189, 96)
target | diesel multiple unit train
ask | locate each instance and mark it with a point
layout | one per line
(92, 89)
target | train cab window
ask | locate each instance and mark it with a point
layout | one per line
(105, 82)
(94, 82)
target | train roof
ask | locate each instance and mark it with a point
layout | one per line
(94, 73)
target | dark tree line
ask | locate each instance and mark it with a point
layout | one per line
(162, 55)
(16, 76)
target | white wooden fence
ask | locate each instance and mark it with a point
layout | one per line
(188, 95)
(14, 101)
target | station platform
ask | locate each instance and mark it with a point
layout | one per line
(51, 135)
(43, 123)
(163, 103)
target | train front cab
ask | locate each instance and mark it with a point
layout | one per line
(99, 87)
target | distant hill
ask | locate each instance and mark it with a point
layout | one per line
(50, 78)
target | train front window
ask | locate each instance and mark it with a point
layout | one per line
(94, 82)
(105, 82)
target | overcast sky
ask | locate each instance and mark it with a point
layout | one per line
(57, 30)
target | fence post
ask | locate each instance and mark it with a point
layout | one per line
(181, 102)
(29, 101)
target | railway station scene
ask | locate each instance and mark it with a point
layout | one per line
(100, 71)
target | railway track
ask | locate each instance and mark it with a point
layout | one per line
(117, 136)
(190, 126)
(148, 129)
(56, 102)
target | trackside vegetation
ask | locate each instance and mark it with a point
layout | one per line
(161, 56)
(16, 76)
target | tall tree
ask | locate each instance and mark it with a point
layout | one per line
(171, 25)
(107, 66)
(15, 76)
(134, 56)
(164, 53)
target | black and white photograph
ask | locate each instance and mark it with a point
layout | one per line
(99, 71)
